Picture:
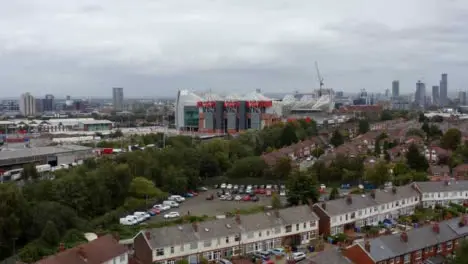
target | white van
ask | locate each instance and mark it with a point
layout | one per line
(172, 204)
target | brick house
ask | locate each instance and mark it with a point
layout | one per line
(426, 244)
(105, 249)
(438, 172)
(460, 172)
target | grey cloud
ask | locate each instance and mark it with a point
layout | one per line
(155, 47)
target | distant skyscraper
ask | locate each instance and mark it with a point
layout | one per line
(396, 88)
(443, 90)
(27, 105)
(48, 103)
(462, 97)
(117, 98)
(435, 95)
(420, 95)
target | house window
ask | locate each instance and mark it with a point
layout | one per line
(227, 240)
(406, 259)
(182, 248)
(207, 243)
(237, 238)
(193, 245)
(297, 227)
(277, 230)
(427, 250)
(346, 217)
(418, 254)
(304, 225)
(171, 261)
(312, 223)
(268, 233)
(288, 228)
(439, 248)
(449, 245)
(353, 215)
(172, 250)
(160, 252)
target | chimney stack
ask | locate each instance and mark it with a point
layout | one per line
(195, 226)
(148, 235)
(61, 247)
(404, 237)
(367, 246)
(82, 253)
(436, 228)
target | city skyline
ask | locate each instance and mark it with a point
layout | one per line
(82, 48)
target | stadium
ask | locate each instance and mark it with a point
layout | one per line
(214, 113)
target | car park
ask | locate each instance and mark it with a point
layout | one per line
(172, 215)
(162, 207)
(298, 256)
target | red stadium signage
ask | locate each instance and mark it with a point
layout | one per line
(209, 104)
(259, 104)
(231, 104)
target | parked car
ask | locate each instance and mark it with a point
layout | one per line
(298, 256)
(255, 199)
(277, 251)
(282, 193)
(172, 204)
(269, 186)
(246, 198)
(236, 187)
(127, 221)
(229, 198)
(176, 198)
(224, 261)
(264, 255)
(229, 186)
(260, 191)
(241, 191)
(268, 192)
(238, 198)
(223, 186)
(172, 215)
(188, 195)
(154, 211)
(202, 189)
(145, 215)
(162, 207)
(194, 193)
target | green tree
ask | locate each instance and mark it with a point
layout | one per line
(421, 117)
(336, 139)
(248, 167)
(275, 201)
(415, 159)
(317, 152)
(142, 188)
(461, 255)
(425, 127)
(288, 136)
(378, 174)
(282, 169)
(377, 149)
(302, 187)
(29, 172)
(451, 139)
(364, 126)
(50, 234)
(334, 194)
(386, 115)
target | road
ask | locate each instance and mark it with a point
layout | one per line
(199, 206)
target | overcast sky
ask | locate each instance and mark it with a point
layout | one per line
(154, 47)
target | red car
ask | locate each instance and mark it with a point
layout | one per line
(260, 191)
(155, 211)
(246, 198)
(193, 193)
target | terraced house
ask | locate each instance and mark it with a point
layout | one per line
(356, 211)
(227, 237)
(427, 244)
(443, 193)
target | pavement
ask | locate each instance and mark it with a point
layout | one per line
(199, 206)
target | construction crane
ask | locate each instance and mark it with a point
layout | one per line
(320, 78)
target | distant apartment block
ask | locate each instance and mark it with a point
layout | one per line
(117, 98)
(27, 104)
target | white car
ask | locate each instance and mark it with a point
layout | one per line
(133, 219)
(176, 198)
(298, 256)
(172, 215)
(323, 186)
(238, 198)
(309, 158)
(161, 207)
(268, 187)
(282, 193)
(235, 187)
(223, 197)
(223, 186)
(229, 186)
(127, 221)
(249, 188)
(145, 215)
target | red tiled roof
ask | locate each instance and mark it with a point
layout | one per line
(461, 167)
(97, 251)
